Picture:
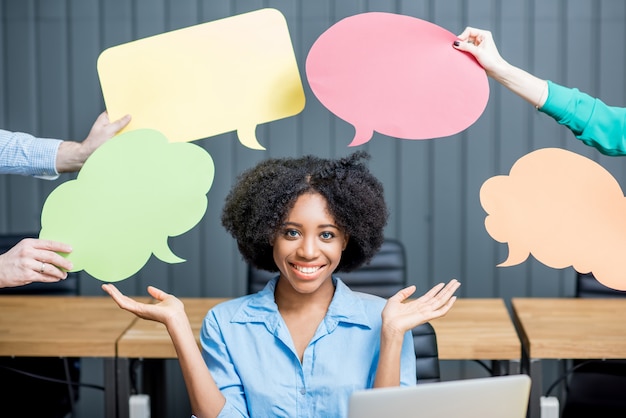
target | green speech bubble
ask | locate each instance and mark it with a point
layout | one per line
(133, 193)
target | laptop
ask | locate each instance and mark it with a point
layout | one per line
(489, 397)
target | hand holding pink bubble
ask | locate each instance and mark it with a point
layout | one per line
(397, 75)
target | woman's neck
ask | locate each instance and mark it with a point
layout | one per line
(289, 300)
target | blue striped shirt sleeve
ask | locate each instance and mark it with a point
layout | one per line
(22, 153)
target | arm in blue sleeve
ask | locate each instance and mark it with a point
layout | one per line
(408, 376)
(219, 362)
(21, 153)
(590, 119)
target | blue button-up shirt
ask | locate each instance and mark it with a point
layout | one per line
(251, 356)
(21, 153)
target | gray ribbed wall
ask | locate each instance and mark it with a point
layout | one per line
(49, 87)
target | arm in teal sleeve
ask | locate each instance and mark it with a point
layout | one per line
(591, 121)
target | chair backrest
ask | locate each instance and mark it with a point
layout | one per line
(67, 287)
(383, 276)
(426, 353)
(587, 286)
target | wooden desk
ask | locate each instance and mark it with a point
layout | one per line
(567, 328)
(477, 329)
(59, 326)
(571, 328)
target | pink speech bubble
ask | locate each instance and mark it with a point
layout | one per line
(397, 75)
(564, 209)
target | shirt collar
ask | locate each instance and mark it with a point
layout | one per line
(346, 306)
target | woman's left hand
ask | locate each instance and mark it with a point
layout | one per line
(400, 315)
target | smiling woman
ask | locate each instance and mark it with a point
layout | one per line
(304, 343)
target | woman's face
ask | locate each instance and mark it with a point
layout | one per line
(308, 246)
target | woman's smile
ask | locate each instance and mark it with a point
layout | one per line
(307, 272)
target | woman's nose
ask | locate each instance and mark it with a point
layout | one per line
(308, 248)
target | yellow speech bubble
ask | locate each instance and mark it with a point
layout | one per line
(205, 80)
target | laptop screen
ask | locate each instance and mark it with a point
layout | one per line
(490, 397)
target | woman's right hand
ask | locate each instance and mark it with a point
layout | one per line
(166, 310)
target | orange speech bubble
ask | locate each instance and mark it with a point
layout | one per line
(204, 80)
(564, 209)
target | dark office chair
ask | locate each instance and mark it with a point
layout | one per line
(588, 286)
(595, 388)
(26, 387)
(426, 353)
(383, 276)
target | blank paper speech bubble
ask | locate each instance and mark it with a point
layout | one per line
(204, 80)
(565, 210)
(133, 193)
(397, 75)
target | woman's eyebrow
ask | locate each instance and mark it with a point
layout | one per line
(319, 226)
(291, 224)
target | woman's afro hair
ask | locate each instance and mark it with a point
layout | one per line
(262, 197)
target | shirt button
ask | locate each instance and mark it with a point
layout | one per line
(302, 391)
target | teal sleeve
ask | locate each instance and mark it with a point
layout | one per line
(591, 121)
